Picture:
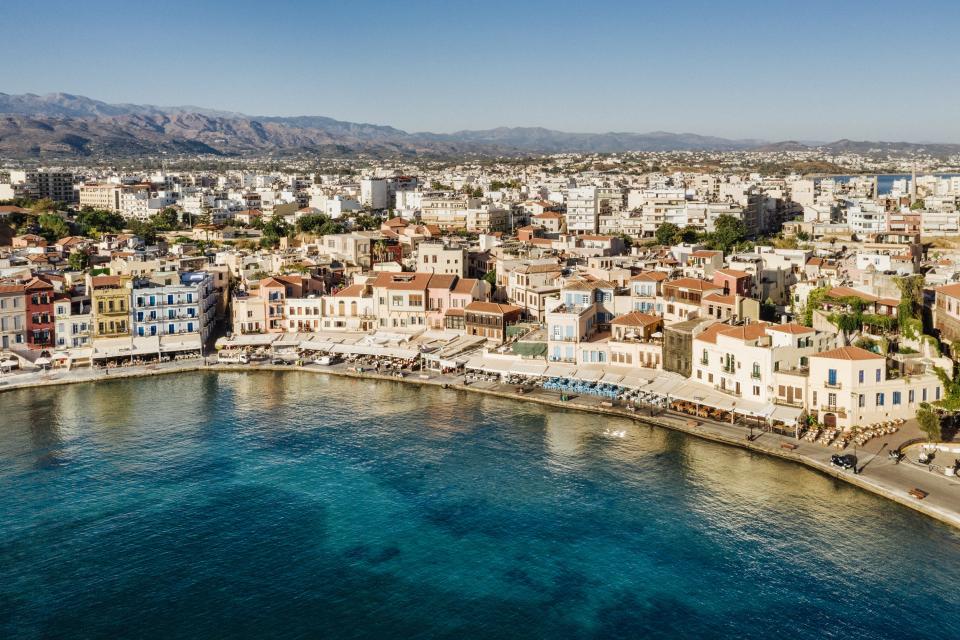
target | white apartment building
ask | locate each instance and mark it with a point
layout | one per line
(436, 257)
(374, 193)
(583, 210)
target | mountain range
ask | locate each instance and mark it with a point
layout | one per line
(65, 125)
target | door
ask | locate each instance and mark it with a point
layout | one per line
(790, 395)
(830, 420)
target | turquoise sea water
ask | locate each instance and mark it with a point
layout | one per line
(293, 505)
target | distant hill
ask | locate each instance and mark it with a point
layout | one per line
(66, 125)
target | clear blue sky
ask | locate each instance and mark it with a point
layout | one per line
(774, 69)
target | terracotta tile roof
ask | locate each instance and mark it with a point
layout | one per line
(353, 291)
(793, 328)
(105, 281)
(849, 353)
(637, 319)
(465, 285)
(704, 253)
(733, 273)
(692, 283)
(745, 332)
(720, 298)
(649, 276)
(710, 333)
(492, 307)
(402, 281)
(952, 290)
(11, 288)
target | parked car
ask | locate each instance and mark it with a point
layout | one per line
(326, 361)
(232, 358)
(848, 461)
(279, 361)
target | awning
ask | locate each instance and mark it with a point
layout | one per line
(522, 368)
(612, 378)
(248, 340)
(172, 344)
(370, 350)
(316, 345)
(786, 415)
(588, 375)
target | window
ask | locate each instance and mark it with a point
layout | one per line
(896, 397)
(862, 400)
(879, 399)
(832, 377)
(861, 376)
(878, 375)
(832, 399)
(924, 394)
(938, 393)
(911, 396)
(756, 390)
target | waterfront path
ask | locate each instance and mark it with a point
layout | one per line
(877, 473)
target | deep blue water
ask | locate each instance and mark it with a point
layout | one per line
(298, 506)
(885, 180)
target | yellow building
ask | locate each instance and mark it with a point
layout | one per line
(110, 302)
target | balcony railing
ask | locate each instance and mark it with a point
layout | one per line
(755, 375)
(832, 385)
(729, 368)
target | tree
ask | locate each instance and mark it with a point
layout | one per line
(43, 205)
(96, 221)
(728, 231)
(78, 261)
(166, 220)
(667, 233)
(491, 277)
(929, 421)
(53, 227)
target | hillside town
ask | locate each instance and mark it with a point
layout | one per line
(821, 306)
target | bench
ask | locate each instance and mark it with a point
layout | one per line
(789, 446)
(919, 494)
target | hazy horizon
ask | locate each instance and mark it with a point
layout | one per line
(743, 70)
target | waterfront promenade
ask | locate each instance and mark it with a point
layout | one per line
(878, 474)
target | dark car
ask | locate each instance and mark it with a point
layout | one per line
(847, 461)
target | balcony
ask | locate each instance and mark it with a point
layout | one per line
(755, 375)
(729, 392)
(832, 385)
(730, 367)
(563, 338)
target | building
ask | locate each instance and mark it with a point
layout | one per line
(946, 312)
(350, 309)
(583, 211)
(41, 327)
(185, 308)
(678, 344)
(436, 257)
(850, 386)
(13, 316)
(74, 321)
(54, 184)
(490, 319)
(744, 360)
(374, 193)
(110, 303)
